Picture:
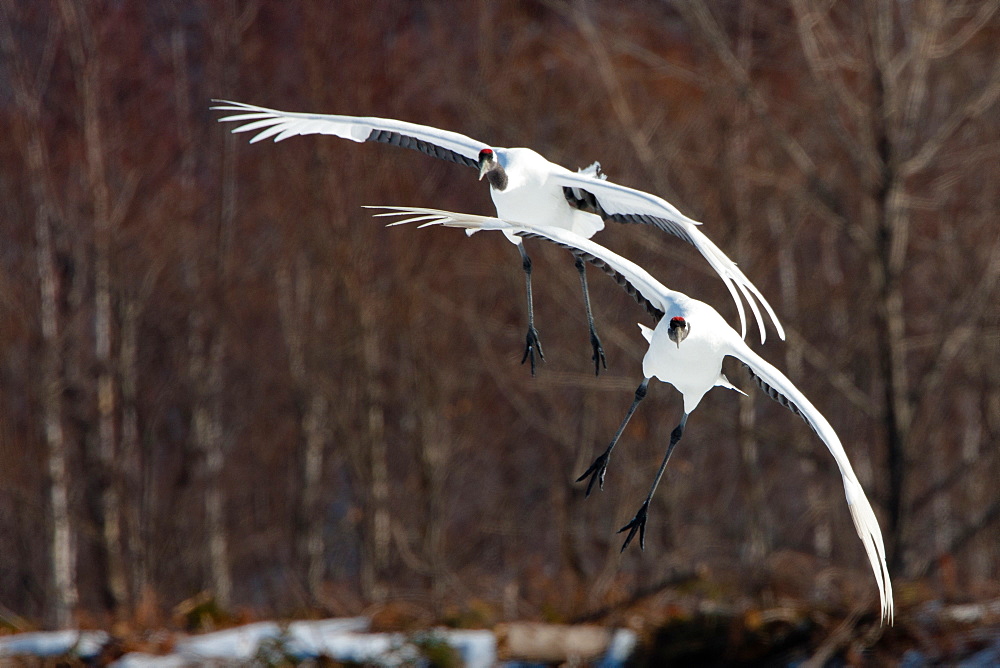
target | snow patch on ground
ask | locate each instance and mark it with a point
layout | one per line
(54, 643)
(343, 640)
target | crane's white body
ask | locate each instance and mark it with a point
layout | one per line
(534, 193)
(695, 365)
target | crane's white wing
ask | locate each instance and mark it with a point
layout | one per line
(649, 292)
(781, 389)
(434, 142)
(620, 204)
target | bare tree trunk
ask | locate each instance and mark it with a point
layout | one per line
(208, 334)
(313, 547)
(63, 545)
(88, 78)
(205, 373)
(736, 204)
(891, 231)
(133, 483)
(208, 360)
(137, 484)
(62, 556)
(434, 459)
(368, 455)
(377, 534)
(206, 346)
(891, 354)
(785, 236)
(301, 306)
(211, 430)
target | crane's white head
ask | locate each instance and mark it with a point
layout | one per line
(491, 168)
(679, 329)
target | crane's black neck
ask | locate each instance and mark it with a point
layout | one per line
(497, 177)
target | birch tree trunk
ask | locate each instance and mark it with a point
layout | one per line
(208, 333)
(368, 454)
(205, 375)
(134, 483)
(86, 62)
(62, 555)
(211, 440)
(377, 515)
(302, 313)
(313, 546)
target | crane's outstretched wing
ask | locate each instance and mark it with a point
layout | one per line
(652, 295)
(782, 390)
(437, 143)
(621, 204)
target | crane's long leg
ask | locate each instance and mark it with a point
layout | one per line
(594, 340)
(638, 522)
(532, 343)
(600, 465)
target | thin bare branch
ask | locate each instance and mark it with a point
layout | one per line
(972, 109)
(967, 31)
(698, 15)
(812, 23)
(612, 84)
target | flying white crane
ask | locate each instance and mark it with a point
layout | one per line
(525, 187)
(686, 349)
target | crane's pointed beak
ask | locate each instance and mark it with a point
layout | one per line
(483, 168)
(678, 331)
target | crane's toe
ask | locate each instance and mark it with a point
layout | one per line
(638, 523)
(598, 358)
(532, 345)
(596, 472)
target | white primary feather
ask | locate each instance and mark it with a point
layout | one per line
(284, 124)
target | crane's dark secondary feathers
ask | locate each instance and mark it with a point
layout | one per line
(607, 269)
(425, 147)
(777, 396)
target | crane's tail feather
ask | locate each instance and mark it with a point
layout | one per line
(429, 217)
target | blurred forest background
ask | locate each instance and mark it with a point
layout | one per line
(221, 380)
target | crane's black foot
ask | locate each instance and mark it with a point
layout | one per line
(638, 523)
(532, 344)
(598, 357)
(596, 472)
